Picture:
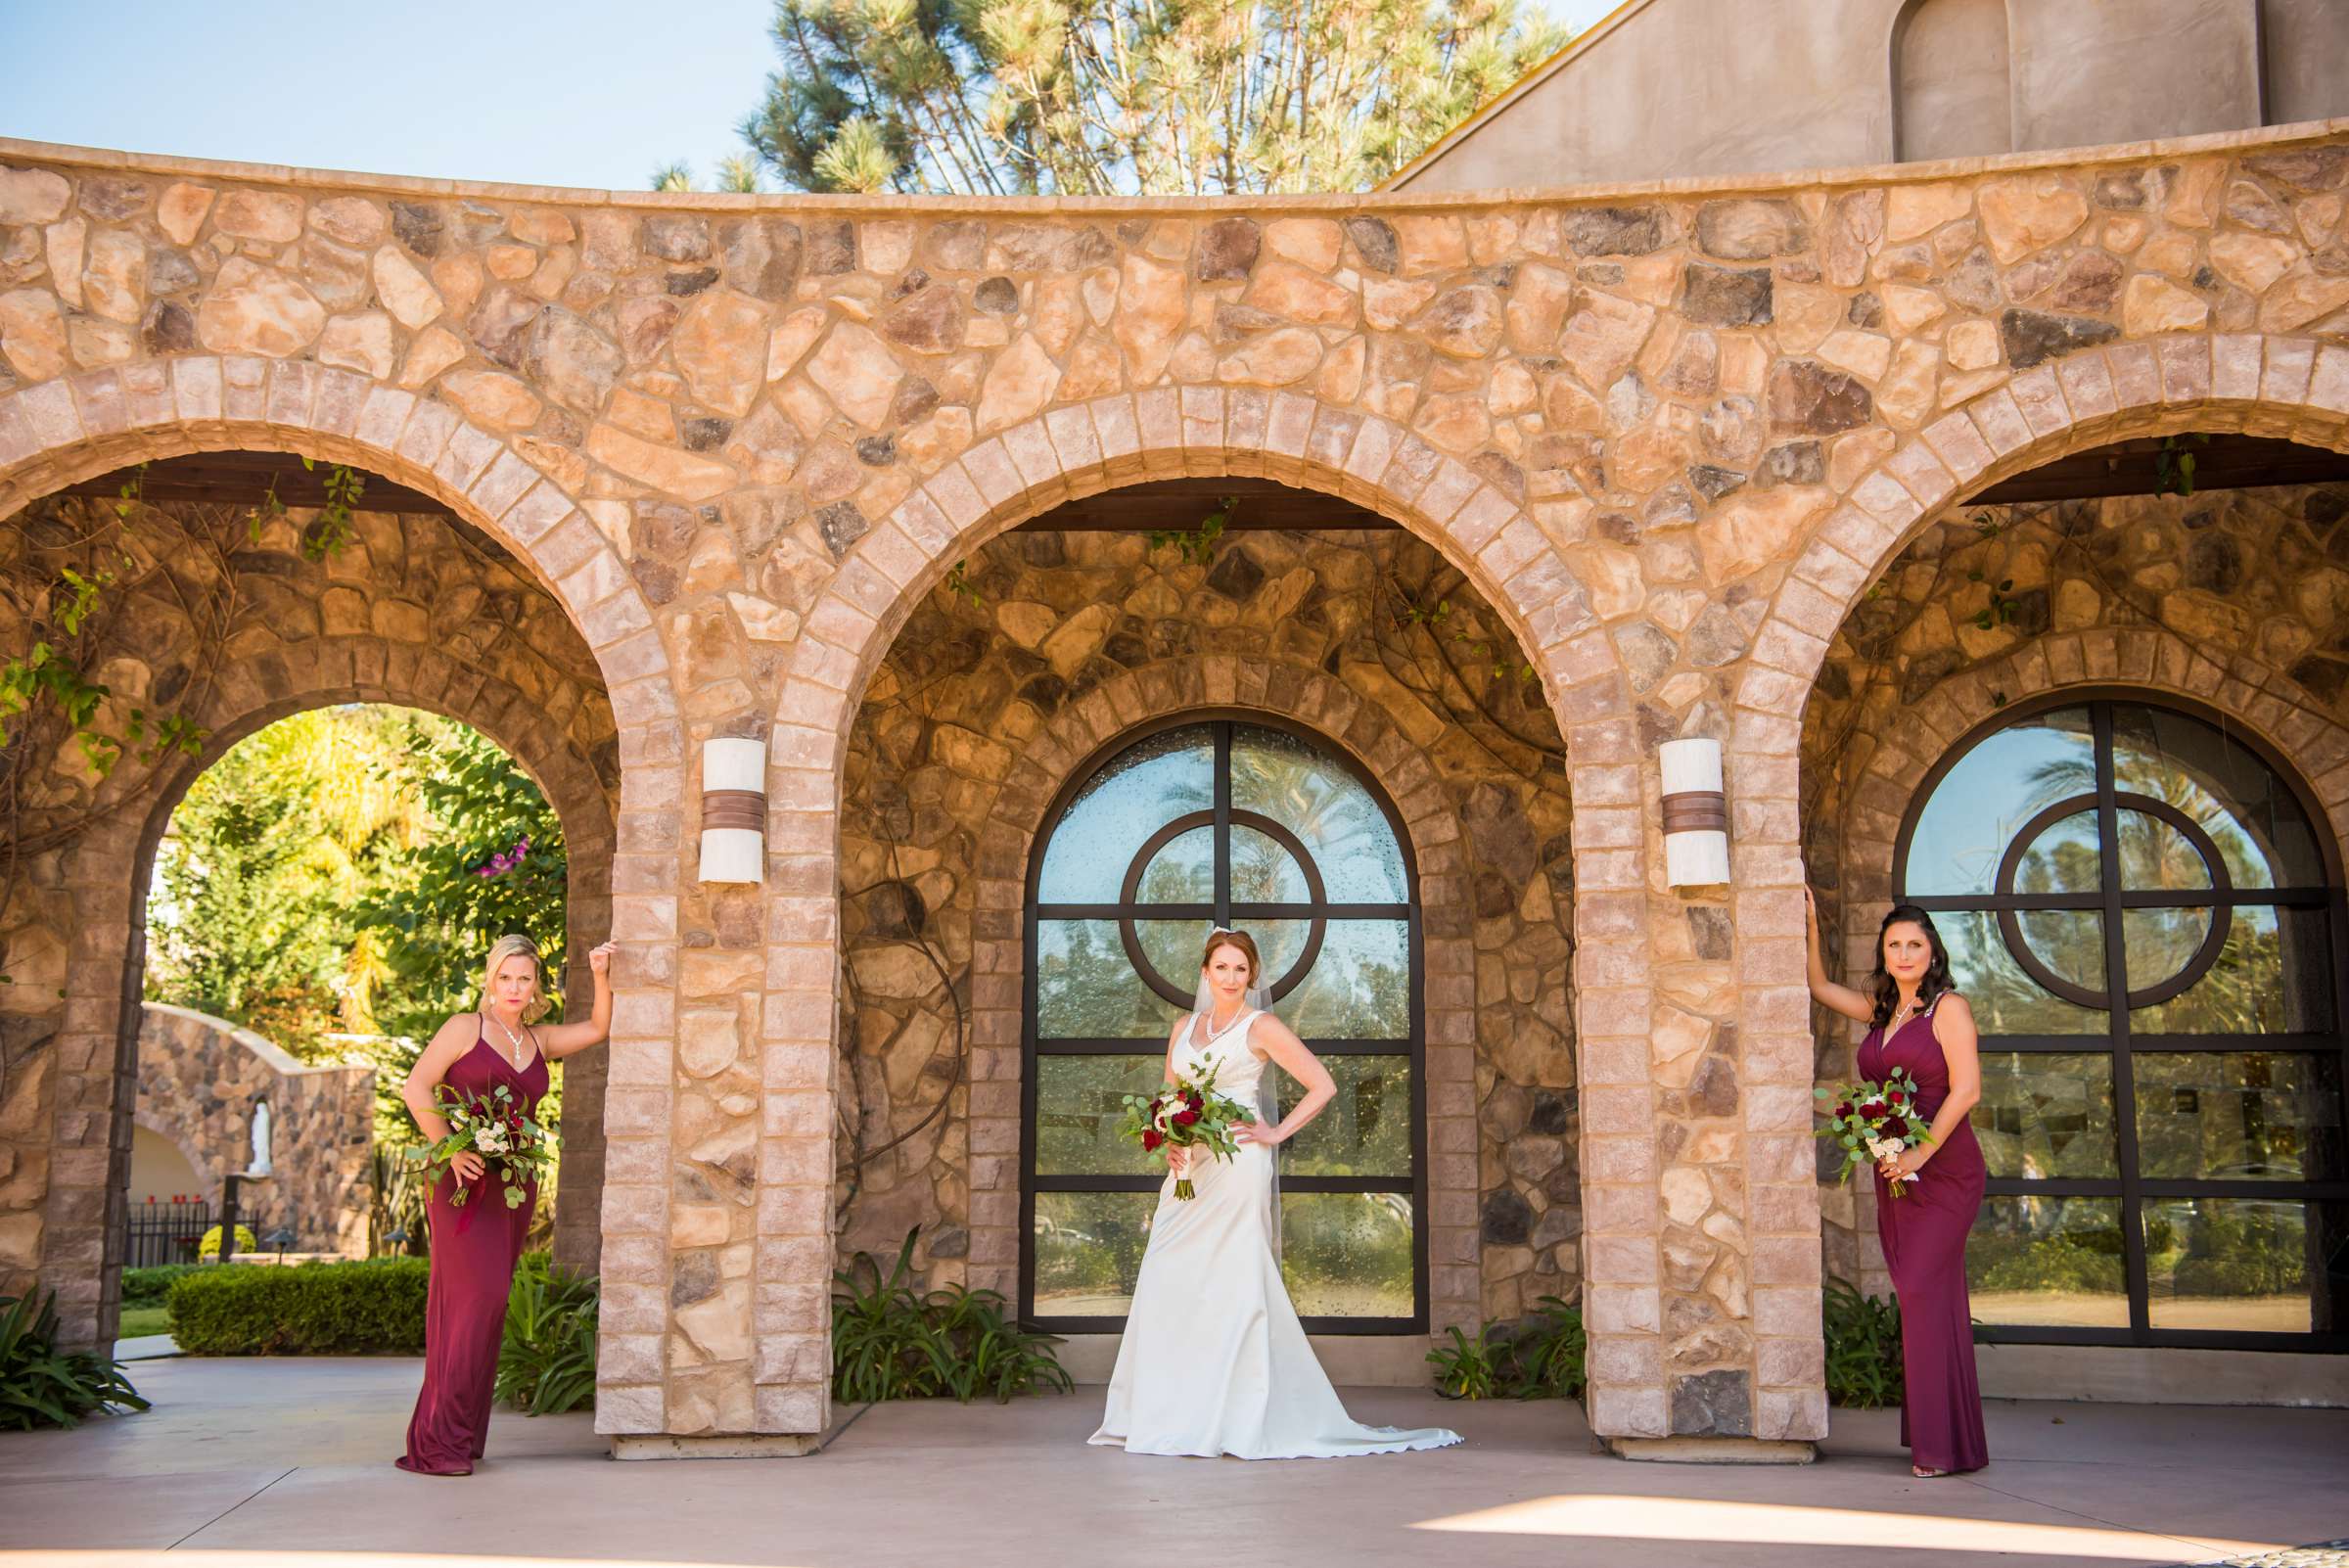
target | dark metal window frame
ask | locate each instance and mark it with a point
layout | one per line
(1224, 911)
(2117, 1043)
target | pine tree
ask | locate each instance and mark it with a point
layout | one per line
(1109, 97)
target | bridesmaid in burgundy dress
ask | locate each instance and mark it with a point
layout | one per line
(1919, 1023)
(474, 1246)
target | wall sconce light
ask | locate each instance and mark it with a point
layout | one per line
(1696, 814)
(733, 811)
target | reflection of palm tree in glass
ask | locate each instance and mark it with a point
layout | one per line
(1311, 795)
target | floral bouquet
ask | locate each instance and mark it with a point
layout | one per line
(493, 1126)
(1185, 1115)
(1875, 1121)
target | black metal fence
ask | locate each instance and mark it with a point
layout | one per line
(164, 1233)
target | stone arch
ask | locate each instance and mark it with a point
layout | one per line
(2291, 387)
(1322, 704)
(108, 871)
(2155, 659)
(2288, 386)
(59, 433)
(1164, 433)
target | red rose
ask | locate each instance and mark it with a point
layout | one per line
(1186, 1118)
(1894, 1127)
(1151, 1140)
(1843, 1110)
(1896, 1096)
(1873, 1109)
(1194, 1101)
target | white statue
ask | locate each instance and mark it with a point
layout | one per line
(261, 1166)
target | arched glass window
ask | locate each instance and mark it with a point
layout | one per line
(2146, 919)
(1244, 823)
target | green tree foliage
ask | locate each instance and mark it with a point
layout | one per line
(342, 872)
(1109, 97)
(252, 910)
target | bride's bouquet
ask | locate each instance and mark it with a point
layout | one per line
(1185, 1115)
(513, 1144)
(1875, 1121)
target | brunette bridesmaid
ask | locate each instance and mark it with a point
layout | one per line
(475, 1246)
(1918, 1022)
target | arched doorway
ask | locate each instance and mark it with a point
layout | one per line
(239, 598)
(1236, 820)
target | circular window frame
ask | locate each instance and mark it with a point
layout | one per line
(1315, 909)
(2221, 889)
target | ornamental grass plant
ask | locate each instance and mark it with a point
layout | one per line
(43, 1386)
(892, 1342)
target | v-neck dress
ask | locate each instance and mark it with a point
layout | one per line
(1925, 1233)
(474, 1250)
(1213, 1360)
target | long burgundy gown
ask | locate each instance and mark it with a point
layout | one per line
(474, 1249)
(1924, 1247)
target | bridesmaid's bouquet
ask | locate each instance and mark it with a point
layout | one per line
(1875, 1121)
(1185, 1115)
(511, 1143)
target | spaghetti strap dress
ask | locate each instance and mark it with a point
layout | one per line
(474, 1249)
(1925, 1233)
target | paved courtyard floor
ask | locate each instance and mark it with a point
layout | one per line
(287, 1464)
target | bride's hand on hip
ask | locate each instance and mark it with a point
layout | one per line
(1255, 1133)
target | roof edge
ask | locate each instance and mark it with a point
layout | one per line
(1542, 71)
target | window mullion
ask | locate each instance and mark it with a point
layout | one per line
(1223, 823)
(2116, 993)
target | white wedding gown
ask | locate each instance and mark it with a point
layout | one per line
(1213, 1360)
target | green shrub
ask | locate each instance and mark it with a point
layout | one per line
(546, 1360)
(41, 1385)
(1863, 1348)
(1538, 1357)
(891, 1343)
(210, 1246)
(2056, 1263)
(152, 1287)
(2231, 1252)
(323, 1308)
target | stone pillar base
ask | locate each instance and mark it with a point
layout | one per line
(1713, 1449)
(717, 1445)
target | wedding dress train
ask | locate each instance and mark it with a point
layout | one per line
(1213, 1360)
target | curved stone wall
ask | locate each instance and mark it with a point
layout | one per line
(1669, 432)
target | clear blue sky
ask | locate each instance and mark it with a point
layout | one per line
(591, 92)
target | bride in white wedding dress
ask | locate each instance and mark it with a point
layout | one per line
(1213, 1360)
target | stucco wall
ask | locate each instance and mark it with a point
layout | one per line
(1680, 88)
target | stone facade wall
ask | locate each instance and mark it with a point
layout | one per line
(1667, 433)
(970, 686)
(415, 610)
(2216, 596)
(199, 1080)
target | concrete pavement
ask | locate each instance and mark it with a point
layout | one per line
(286, 1464)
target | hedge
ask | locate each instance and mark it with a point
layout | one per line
(324, 1309)
(152, 1287)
